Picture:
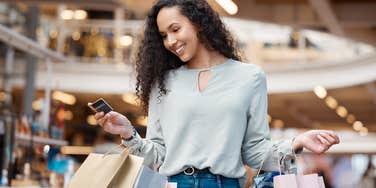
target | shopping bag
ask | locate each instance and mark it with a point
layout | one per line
(321, 182)
(299, 181)
(285, 181)
(147, 178)
(308, 181)
(108, 171)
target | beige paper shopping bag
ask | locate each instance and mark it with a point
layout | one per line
(107, 171)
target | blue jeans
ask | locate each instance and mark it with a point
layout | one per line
(204, 180)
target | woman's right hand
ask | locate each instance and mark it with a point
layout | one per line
(114, 123)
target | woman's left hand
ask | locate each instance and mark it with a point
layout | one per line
(317, 141)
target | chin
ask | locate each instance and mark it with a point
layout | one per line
(185, 59)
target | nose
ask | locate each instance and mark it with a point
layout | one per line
(171, 40)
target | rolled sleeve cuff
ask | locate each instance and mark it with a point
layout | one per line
(289, 155)
(134, 144)
(285, 148)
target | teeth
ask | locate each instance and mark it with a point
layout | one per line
(179, 50)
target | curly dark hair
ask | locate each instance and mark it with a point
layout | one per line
(153, 60)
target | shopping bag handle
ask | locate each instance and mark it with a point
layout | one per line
(280, 158)
(263, 160)
(125, 150)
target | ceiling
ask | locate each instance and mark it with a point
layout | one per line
(355, 19)
(306, 110)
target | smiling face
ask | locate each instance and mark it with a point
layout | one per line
(178, 33)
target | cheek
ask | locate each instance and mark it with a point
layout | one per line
(193, 41)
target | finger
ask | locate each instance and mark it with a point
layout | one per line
(111, 113)
(98, 115)
(107, 126)
(335, 137)
(332, 134)
(102, 121)
(323, 140)
(108, 115)
(328, 137)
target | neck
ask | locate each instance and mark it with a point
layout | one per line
(205, 59)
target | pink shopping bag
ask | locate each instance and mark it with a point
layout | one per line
(299, 181)
(321, 182)
(285, 181)
(308, 181)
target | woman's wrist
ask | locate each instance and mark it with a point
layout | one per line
(127, 133)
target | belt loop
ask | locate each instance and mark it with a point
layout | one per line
(219, 181)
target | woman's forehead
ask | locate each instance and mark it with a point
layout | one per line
(168, 16)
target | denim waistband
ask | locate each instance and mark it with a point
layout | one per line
(201, 175)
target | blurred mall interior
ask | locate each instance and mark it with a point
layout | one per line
(57, 55)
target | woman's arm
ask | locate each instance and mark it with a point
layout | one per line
(152, 148)
(257, 146)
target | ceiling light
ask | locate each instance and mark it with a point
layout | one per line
(64, 97)
(357, 125)
(363, 131)
(341, 111)
(269, 118)
(331, 102)
(320, 92)
(350, 118)
(80, 14)
(130, 98)
(67, 14)
(229, 6)
(126, 40)
(76, 36)
(91, 120)
(278, 123)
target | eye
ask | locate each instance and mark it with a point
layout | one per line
(175, 29)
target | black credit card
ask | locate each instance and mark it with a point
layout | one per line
(101, 105)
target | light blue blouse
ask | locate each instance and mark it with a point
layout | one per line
(223, 128)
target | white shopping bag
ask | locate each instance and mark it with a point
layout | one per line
(150, 179)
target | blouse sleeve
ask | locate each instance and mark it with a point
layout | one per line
(152, 148)
(257, 146)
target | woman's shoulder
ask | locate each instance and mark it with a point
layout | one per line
(248, 70)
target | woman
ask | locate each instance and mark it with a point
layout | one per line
(207, 111)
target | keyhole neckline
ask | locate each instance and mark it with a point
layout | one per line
(207, 68)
